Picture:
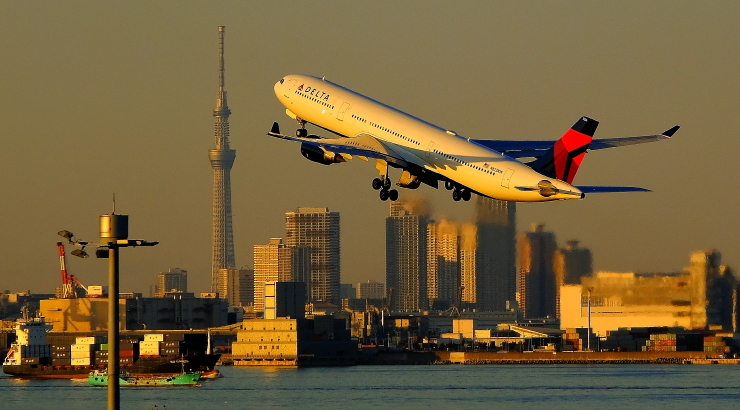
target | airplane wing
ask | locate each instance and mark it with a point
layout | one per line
(522, 149)
(363, 146)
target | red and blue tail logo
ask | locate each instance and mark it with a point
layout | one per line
(566, 155)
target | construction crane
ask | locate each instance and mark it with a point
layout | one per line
(69, 282)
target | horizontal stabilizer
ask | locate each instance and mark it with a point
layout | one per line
(606, 189)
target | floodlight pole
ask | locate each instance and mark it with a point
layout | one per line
(114, 366)
(113, 228)
(113, 236)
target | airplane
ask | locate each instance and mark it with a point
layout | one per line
(428, 154)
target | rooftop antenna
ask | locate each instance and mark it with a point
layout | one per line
(114, 204)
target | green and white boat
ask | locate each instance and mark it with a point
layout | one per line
(100, 378)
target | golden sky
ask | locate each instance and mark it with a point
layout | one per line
(104, 97)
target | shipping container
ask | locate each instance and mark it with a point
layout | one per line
(87, 340)
(81, 355)
(61, 362)
(81, 362)
(156, 337)
(83, 348)
(61, 355)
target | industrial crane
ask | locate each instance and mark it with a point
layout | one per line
(69, 282)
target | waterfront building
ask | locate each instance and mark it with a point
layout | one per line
(317, 230)
(174, 311)
(496, 275)
(174, 280)
(537, 294)
(406, 268)
(570, 265)
(294, 342)
(285, 300)
(702, 296)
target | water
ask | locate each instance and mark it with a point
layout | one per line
(411, 387)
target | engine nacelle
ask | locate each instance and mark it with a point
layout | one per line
(316, 154)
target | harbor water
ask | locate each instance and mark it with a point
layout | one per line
(411, 387)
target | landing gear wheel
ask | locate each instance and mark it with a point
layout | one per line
(449, 185)
(456, 195)
(301, 133)
(386, 183)
(377, 184)
(466, 196)
(393, 195)
(383, 195)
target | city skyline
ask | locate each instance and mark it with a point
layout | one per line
(126, 92)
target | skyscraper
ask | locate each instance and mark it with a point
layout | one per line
(468, 293)
(405, 257)
(174, 280)
(277, 262)
(222, 159)
(318, 230)
(496, 254)
(537, 294)
(443, 264)
(570, 265)
(237, 286)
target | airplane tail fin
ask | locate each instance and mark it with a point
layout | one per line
(562, 160)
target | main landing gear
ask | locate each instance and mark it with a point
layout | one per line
(301, 132)
(384, 186)
(458, 193)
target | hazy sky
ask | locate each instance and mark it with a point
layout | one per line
(117, 97)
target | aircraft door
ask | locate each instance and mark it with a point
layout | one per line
(342, 110)
(289, 88)
(506, 179)
(430, 150)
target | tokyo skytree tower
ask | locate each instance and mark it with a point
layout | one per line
(222, 159)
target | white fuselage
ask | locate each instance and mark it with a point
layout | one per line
(351, 114)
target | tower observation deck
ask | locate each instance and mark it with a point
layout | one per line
(222, 159)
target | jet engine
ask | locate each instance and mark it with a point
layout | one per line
(316, 154)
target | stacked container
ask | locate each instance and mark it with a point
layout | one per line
(715, 344)
(126, 351)
(664, 342)
(61, 355)
(150, 345)
(83, 351)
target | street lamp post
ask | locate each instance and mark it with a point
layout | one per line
(113, 236)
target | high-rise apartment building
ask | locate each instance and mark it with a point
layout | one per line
(317, 229)
(406, 268)
(468, 292)
(495, 271)
(570, 265)
(537, 294)
(174, 280)
(443, 264)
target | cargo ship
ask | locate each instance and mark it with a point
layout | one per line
(39, 354)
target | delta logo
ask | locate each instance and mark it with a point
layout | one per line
(314, 92)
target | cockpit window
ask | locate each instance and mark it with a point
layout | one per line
(281, 80)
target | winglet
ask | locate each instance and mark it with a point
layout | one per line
(671, 131)
(275, 128)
